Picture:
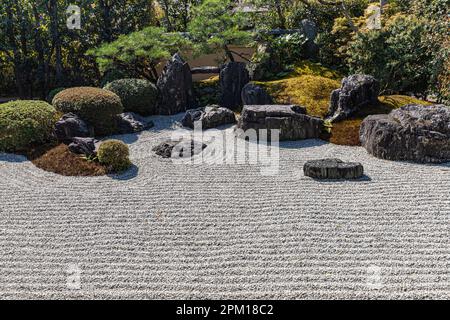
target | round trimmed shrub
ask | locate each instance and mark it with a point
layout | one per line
(137, 95)
(97, 106)
(114, 154)
(25, 123)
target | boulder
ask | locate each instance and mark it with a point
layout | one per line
(253, 94)
(175, 86)
(183, 148)
(70, 126)
(233, 77)
(333, 169)
(412, 133)
(309, 29)
(84, 146)
(357, 91)
(130, 122)
(210, 117)
(291, 120)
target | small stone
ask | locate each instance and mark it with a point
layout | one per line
(130, 122)
(333, 169)
(84, 146)
(253, 94)
(183, 148)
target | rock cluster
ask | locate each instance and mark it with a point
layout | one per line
(210, 117)
(412, 133)
(291, 120)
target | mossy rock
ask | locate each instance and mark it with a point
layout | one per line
(25, 123)
(347, 132)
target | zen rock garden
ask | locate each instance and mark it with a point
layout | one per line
(224, 149)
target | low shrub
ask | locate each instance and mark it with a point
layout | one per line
(137, 95)
(53, 93)
(24, 123)
(114, 154)
(97, 106)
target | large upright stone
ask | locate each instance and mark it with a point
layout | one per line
(253, 94)
(412, 133)
(233, 77)
(175, 86)
(290, 120)
(357, 91)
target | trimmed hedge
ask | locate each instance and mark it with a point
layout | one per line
(25, 123)
(97, 106)
(114, 154)
(137, 95)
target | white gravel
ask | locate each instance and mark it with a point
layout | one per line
(181, 231)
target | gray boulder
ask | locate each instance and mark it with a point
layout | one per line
(291, 120)
(210, 117)
(333, 169)
(70, 126)
(412, 133)
(175, 86)
(253, 94)
(183, 148)
(309, 28)
(357, 91)
(233, 77)
(130, 122)
(84, 146)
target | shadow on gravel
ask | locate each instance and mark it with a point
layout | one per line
(364, 178)
(127, 175)
(13, 158)
(310, 143)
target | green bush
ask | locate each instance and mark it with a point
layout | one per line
(114, 154)
(396, 55)
(137, 95)
(97, 106)
(25, 123)
(53, 93)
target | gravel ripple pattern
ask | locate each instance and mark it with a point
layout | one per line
(191, 231)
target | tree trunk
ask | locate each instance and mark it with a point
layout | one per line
(106, 20)
(56, 40)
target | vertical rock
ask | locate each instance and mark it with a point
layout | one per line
(233, 77)
(175, 86)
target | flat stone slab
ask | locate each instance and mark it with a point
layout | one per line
(333, 169)
(291, 120)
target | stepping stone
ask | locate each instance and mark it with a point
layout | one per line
(333, 169)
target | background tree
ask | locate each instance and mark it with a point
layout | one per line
(139, 53)
(214, 27)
